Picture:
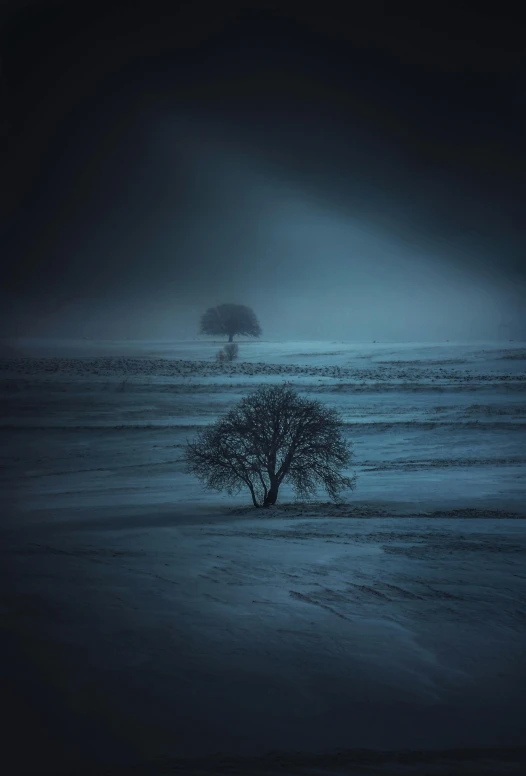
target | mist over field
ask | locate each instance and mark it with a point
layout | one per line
(311, 268)
(151, 179)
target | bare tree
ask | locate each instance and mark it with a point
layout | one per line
(272, 435)
(229, 352)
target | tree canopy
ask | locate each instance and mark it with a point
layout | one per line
(229, 320)
(272, 435)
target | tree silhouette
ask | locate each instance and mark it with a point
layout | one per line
(272, 435)
(230, 319)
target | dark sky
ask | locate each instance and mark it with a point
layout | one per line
(348, 177)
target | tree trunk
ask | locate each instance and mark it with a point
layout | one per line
(253, 494)
(230, 337)
(272, 495)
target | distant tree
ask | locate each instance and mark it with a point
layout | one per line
(272, 435)
(230, 319)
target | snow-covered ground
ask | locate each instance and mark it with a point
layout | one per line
(143, 617)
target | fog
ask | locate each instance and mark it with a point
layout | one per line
(309, 268)
(341, 187)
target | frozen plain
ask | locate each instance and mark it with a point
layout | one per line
(145, 620)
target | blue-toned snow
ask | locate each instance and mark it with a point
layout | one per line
(158, 618)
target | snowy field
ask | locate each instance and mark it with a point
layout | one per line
(148, 622)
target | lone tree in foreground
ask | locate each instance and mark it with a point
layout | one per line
(230, 319)
(272, 435)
